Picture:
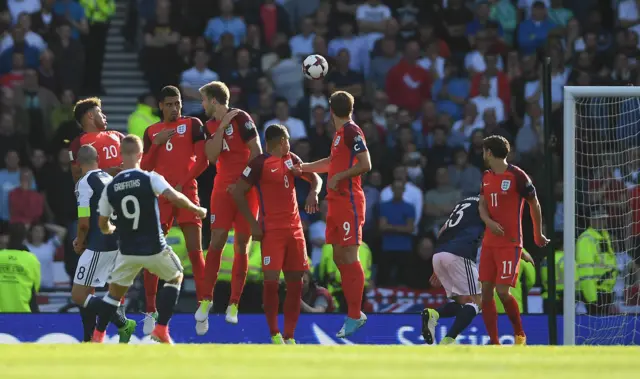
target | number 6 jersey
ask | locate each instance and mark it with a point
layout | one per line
(462, 230)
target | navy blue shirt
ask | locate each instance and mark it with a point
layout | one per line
(88, 191)
(132, 197)
(463, 230)
(397, 213)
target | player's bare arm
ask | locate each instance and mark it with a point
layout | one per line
(311, 204)
(255, 148)
(363, 164)
(320, 166)
(385, 227)
(213, 147)
(536, 219)
(80, 243)
(181, 201)
(239, 193)
(106, 227)
(484, 215)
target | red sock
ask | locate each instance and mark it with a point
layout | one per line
(271, 302)
(292, 307)
(352, 286)
(490, 317)
(211, 268)
(122, 301)
(512, 310)
(197, 266)
(150, 290)
(238, 276)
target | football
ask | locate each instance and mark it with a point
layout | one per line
(315, 67)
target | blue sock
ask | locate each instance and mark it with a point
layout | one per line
(463, 319)
(167, 299)
(450, 309)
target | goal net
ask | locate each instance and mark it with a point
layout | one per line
(601, 274)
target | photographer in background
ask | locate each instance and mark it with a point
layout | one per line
(20, 276)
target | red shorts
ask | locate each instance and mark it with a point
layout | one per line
(500, 264)
(284, 250)
(344, 224)
(169, 212)
(224, 212)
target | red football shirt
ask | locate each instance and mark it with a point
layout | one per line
(347, 143)
(235, 153)
(178, 155)
(505, 194)
(106, 143)
(274, 180)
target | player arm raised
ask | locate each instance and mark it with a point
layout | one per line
(202, 162)
(311, 205)
(320, 166)
(151, 147)
(355, 143)
(213, 147)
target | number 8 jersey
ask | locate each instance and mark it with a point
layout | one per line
(463, 230)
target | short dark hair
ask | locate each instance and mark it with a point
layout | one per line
(168, 91)
(83, 106)
(216, 90)
(281, 99)
(497, 145)
(275, 131)
(341, 104)
(131, 144)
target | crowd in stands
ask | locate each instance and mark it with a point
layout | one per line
(431, 79)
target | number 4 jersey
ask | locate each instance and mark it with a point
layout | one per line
(463, 230)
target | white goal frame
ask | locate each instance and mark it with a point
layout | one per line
(569, 197)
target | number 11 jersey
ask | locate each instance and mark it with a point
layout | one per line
(463, 230)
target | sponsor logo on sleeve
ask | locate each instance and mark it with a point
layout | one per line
(246, 171)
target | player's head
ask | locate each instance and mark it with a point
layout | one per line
(495, 148)
(215, 99)
(131, 151)
(341, 105)
(88, 114)
(277, 137)
(87, 158)
(170, 103)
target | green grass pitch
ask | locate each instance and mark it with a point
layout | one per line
(89, 361)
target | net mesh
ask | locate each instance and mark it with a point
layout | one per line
(607, 200)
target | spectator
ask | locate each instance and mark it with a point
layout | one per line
(272, 18)
(529, 139)
(464, 176)
(26, 205)
(144, 115)
(226, 23)
(480, 22)
(439, 154)
(381, 64)
(397, 219)
(40, 169)
(476, 150)
(302, 44)
(475, 61)
(560, 15)
(99, 14)
(192, 79)
(223, 59)
(439, 202)
(75, 15)
(9, 180)
(412, 194)
(408, 15)
(498, 80)
(45, 21)
(372, 185)
(469, 122)
(427, 36)
(485, 100)
(491, 125)
(69, 58)
(63, 124)
(354, 44)
(320, 136)
(450, 91)
(315, 299)
(10, 138)
(18, 296)
(38, 103)
(287, 77)
(18, 7)
(15, 77)
(61, 194)
(30, 54)
(44, 248)
(46, 72)
(407, 83)
(344, 79)
(456, 17)
(316, 97)
(533, 31)
(295, 126)
(506, 14)
(433, 62)
(160, 39)
(30, 37)
(371, 16)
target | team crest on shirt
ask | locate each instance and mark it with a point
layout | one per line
(229, 130)
(337, 141)
(289, 163)
(506, 184)
(357, 138)
(266, 261)
(181, 129)
(249, 125)
(213, 219)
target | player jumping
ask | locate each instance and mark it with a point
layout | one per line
(345, 217)
(88, 114)
(232, 143)
(132, 198)
(174, 148)
(280, 228)
(97, 251)
(504, 189)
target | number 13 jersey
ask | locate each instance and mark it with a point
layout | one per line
(463, 230)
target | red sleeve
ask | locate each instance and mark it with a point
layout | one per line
(197, 130)
(253, 171)
(120, 135)
(246, 126)
(73, 149)
(150, 152)
(523, 183)
(210, 128)
(353, 139)
(201, 163)
(295, 159)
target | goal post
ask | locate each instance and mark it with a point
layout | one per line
(600, 137)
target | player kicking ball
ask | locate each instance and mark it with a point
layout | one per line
(346, 204)
(504, 189)
(174, 148)
(132, 197)
(279, 226)
(232, 141)
(97, 251)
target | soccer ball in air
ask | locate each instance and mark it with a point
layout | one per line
(315, 67)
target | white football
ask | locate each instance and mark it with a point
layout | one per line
(315, 67)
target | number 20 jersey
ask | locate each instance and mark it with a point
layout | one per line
(463, 231)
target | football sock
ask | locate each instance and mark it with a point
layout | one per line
(167, 299)
(271, 302)
(238, 276)
(119, 318)
(211, 268)
(352, 286)
(463, 319)
(88, 323)
(490, 317)
(449, 309)
(106, 307)
(197, 266)
(150, 290)
(512, 310)
(292, 307)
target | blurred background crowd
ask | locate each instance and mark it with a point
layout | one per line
(431, 78)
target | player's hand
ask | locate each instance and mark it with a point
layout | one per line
(333, 182)
(496, 228)
(434, 281)
(201, 212)
(179, 188)
(527, 257)
(541, 240)
(297, 169)
(78, 247)
(231, 188)
(256, 232)
(226, 120)
(162, 137)
(110, 230)
(311, 205)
